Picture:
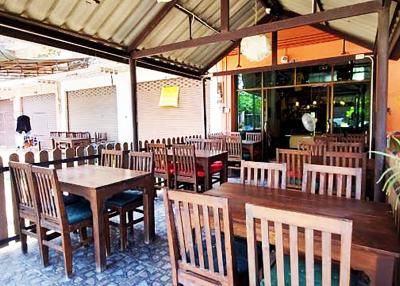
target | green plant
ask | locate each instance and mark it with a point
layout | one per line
(391, 176)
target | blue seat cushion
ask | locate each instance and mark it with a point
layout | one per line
(246, 156)
(357, 278)
(78, 212)
(125, 198)
(240, 252)
(72, 199)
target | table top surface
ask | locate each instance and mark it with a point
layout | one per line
(204, 153)
(93, 176)
(250, 141)
(373, 223)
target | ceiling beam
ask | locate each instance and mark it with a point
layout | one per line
(224, 15)
(304, 20)
(150, 26)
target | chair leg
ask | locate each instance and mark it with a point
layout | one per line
(83, 235)
(122, 230)
(43, 249)
(107, 234)
(67, 251)
(23, 238)
(130, 220)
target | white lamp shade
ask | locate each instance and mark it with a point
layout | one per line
(255, 48)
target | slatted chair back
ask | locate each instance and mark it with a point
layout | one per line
(200, 245)
(160, 154)
(112, 158)
(294, 159)
(332, 181)
(346, 147)
(141, 161)
(297, 232)
(51, 207)
(271, 175)
(234, 147)
(22, 187)
(184, 160)
(317, 149)
(236, 134)
(214, 144)
(354, 138)
(217, 135)
(253, 136)
(197, 142)
(349, 160)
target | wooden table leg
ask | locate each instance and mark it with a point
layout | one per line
(96, 205)
(384, 273)
(148, 210)
(251, 151)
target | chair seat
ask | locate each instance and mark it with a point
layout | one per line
(295, 174)
(356, 278)
(78, 212)
(125, 198)
(70, 199)
(216, 167)
(246, 156)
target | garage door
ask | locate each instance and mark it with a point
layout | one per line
(42, 111)
(94, 110)
(7, 124)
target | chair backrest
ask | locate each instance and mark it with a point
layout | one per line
(112, 158)
(22, 186)
(234, 147)
(346, 147)
(292, 230)
(160, 154)
(141, 161)
(217, 135)
(51, 207)
(354, 138)
(236, 134)
(253, 136)
(332, 181)
(349, 160)
(294, 159)
(271, 175)
(214, 144)
(200, 245)
(184, 160)
(197, 142)
(317, 149)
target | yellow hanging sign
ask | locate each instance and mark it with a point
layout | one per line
(169, 96)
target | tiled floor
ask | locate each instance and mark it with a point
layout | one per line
(141, 264)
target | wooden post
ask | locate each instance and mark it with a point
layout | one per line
(203, 81)
(381, 95)
(274, 44)
(3, 213)
(132, 65)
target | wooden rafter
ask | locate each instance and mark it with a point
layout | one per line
(224, 15)
(309, 19)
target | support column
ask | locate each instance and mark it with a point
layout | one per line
(381, 95)
(203, 82)
(132, 65)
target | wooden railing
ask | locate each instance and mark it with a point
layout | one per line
(166, 141)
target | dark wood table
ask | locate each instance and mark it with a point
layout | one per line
(98, 183)
(375, 244)
(252, 147)
(205, 158)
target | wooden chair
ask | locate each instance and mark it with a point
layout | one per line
(235, 134)
(349, 160)
(346, 147)
(332, 181)
(253, 136)
(162, 168)
(271, 175)
(233, 145)
(197, 142)
(126, 203)
(184, 166)
(201, 247)
(112, 158)
(24, 200)
(214, 144)
(294, 159)
(55, 216)
(317, 149)
(217, 135)
(354, 138)
(302, 228)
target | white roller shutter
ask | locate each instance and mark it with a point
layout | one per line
(42, 111)
(94, 110)
(7, 124)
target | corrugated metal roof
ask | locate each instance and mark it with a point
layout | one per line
(117, 23)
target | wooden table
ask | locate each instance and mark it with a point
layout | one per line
(252, 147)
(205, 158)
(375, 245)
(98, 183)
(70, 142)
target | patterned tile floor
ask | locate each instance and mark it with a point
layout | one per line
(140, 265)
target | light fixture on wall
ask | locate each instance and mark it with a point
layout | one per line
(256, 48)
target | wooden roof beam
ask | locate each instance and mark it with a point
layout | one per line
(224, 15)
(304, 20)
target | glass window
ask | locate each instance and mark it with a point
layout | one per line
(249, 80)
(249, 110)
(313, 74)
(352, 71)
(278, 78)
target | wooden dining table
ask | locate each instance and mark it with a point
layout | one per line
(375, 243)
(205, 158)
(253, 147)
(97, 184)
